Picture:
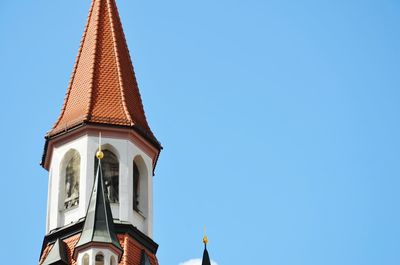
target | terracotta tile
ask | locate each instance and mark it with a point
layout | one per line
(103, 87)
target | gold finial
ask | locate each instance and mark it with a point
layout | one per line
(100, 153)
(205, 238)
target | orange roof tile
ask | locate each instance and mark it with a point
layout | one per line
(103, 87)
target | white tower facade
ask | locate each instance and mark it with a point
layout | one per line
(132, 166)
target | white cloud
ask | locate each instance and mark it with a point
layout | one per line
(195, 262)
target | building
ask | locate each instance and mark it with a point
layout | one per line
(101, 155)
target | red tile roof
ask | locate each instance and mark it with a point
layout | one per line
(133, 251)
(103, 87)
(131, 256)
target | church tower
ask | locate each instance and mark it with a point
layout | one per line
(101, 155)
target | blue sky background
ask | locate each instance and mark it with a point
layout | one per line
(279, 121)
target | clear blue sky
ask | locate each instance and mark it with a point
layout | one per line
(279, 119)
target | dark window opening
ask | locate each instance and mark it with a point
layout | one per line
(110, 167)
(136, 175)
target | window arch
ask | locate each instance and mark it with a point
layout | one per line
(85, 259)
(140, 184)
(136, 190)
(99, 260)
(112, 261)
(110, 167)
(71, 178)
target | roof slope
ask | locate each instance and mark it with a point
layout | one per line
(103, 87)
(99, 223)
(57, 254)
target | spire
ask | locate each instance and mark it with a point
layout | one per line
(99, 225)
(103, 87)
(206, 257)
(57, 254)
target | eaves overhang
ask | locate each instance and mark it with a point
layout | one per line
(133, 133)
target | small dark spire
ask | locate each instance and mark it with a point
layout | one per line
(57, 254)
(99, 224)
(206, 257)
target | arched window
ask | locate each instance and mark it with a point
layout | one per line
(140, 186)
(112, 261)
(85, 259)
(72, 174)
(99, 259)
(136, 176)
(110, 167)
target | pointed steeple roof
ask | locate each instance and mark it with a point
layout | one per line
(206, 257)
(103, 87)
(99, 225)
(57, 254)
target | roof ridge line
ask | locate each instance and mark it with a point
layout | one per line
(117, 58)
(95, 186)
(72, 78)
(95, 55)
(125, 43)
(105, 199)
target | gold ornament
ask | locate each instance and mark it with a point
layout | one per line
(100, 154)
(205, 240)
